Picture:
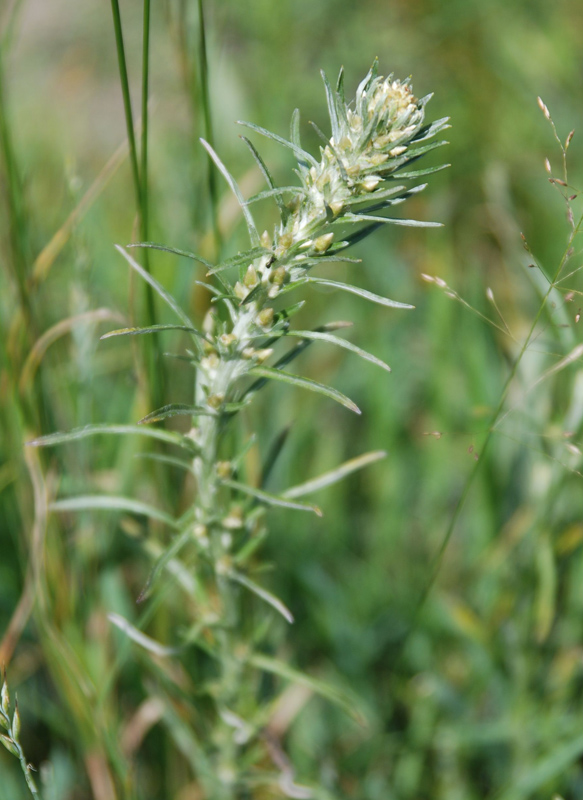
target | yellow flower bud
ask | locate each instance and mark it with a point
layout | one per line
(322, 243)
(265, 318)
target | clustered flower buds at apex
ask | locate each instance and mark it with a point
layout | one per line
(370, 141)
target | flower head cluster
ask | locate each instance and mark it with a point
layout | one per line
(370, 141)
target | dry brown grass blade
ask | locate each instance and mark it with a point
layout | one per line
(52, 334)
(46, 258)
(99, 776)
(36, 549)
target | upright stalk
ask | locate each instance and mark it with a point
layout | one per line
(140, 180)
(203, 72)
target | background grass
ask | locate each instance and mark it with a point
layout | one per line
(483, 698)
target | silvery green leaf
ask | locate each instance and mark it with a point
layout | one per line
(140, 638)
(346, 287)
(246, 257)
(253, 235)
(340, 85)
(94, 430)
(305, 383)
(164, 459)
(378, 195)
(113, 503)
(335, 475)
(301, 154)
(341, 698)
(266, 596)
(151, 329)
(331, 339)
(157, 287)
(283, 211)
(417, 173)
(427, 131)
(269, 499)
(174, 410)
(407, 223)
(294, 129)
(174, 250)
(337, 115)
(164, 559)
(276, 192)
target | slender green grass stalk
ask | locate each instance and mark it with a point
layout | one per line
(11, 740)
(575, 228)
(205, 102)
(140, 177)
(15, 202)
(338, 201)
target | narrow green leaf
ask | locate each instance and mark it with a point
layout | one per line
(168, 299)
(328, 337)
(380, 194)
(300, 153)
(94, 430)
(333, 109)
(283, 211)
(266, 596)
(346, 287)
(268, 498)
(174, 410)
(294, 129)
(273, 454)
(340, 698)
(165, 557)
(241, 258)
(417, 173)
(277, 192)
(340, 85)
(427, 131)
(151, 329)
(164, 459)
(305, 383)
(253, 234)
(174, 250)
(113, 503)
(330, 146)
(407, 223)
(140, 638)
(335, 475)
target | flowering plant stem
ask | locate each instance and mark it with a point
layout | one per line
(339, 200)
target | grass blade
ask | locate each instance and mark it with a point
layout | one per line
(335, 475)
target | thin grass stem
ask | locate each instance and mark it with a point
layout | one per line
(491, 429)
(208, 123)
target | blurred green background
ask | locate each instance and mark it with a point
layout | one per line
(478, 696)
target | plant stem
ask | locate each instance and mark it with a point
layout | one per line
(486, 444)
(208, 126)
(140, 181)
